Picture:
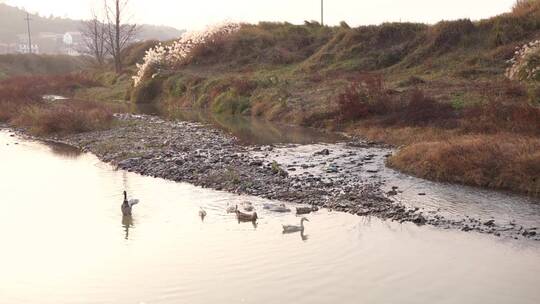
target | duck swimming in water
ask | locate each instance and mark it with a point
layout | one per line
(127, 206)
(231, 209)
(248, 206)
(280, 209)
(245, 217)
(293, 228)
(202, 213)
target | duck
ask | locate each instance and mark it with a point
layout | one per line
(280, 208)
(248, 206)
(231, 209)
(202, 213)
(246, 217)
(269, 206)
(128, 205)
(293, 228)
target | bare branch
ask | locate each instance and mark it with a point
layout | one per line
(119, 34)
(93, 32)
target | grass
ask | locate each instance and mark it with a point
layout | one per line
(64, 118)
(22, 105)
(25, 65)
(501, 161)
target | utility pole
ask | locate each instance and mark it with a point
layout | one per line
(29, 34)
(322, 12)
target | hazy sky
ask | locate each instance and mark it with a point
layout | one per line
(188, 14)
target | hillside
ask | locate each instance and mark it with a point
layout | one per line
(406, 84)
(12, 24)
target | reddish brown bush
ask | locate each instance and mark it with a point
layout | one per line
(498, 116)
(502, 161)
(18, 92)
(33, 87)
(66, 117)
(364, 96)
(421, 110)
(352, 103)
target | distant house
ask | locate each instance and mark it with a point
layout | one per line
(25, 49)
(70, 43)
(73, 43)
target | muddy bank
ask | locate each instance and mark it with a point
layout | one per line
(342, 178)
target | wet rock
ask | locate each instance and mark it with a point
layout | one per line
(332, 168)
(392, 193)
(324, 152)
(257, 163)
(466, 228)
(420, 220)
(529, 233)
(490, 223)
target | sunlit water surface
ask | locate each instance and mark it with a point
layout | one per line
(63, 240)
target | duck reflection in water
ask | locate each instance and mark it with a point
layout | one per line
(127, 223)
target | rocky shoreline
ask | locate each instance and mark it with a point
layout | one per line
(341, 180)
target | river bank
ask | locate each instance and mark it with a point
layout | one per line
(342, 177)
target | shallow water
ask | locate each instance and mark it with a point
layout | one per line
(248, 130)
(453, 201)
(64, 241)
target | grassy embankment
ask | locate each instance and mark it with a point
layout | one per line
(439, 90)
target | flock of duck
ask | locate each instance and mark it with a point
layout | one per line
(127, 207)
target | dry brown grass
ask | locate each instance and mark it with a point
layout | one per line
(65, 117)
(503, 161)
(522, 7)
(22, 105)
(399, 136)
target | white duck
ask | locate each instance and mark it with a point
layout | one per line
(293, 228)
(280, 208)
(128, 205)
(231, 209)
(269, 206)
(248, 206)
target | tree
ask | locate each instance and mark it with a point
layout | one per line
(118, 33)
(93, 32)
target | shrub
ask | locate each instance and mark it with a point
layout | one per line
(230, 102)
(178, 52)
(20, 91)
(421, 110)
(499, 161)
(365, 95)
(147, 91)
(447, 34)
(352, 103)
(67, 117)
(33, 87)
(526, 63)
(497, 116)
(522, 7)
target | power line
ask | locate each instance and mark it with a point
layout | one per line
(28, 19)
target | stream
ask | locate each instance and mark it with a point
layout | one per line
(64, 240)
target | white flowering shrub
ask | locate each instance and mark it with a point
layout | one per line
(525, 63)
(173, 55)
